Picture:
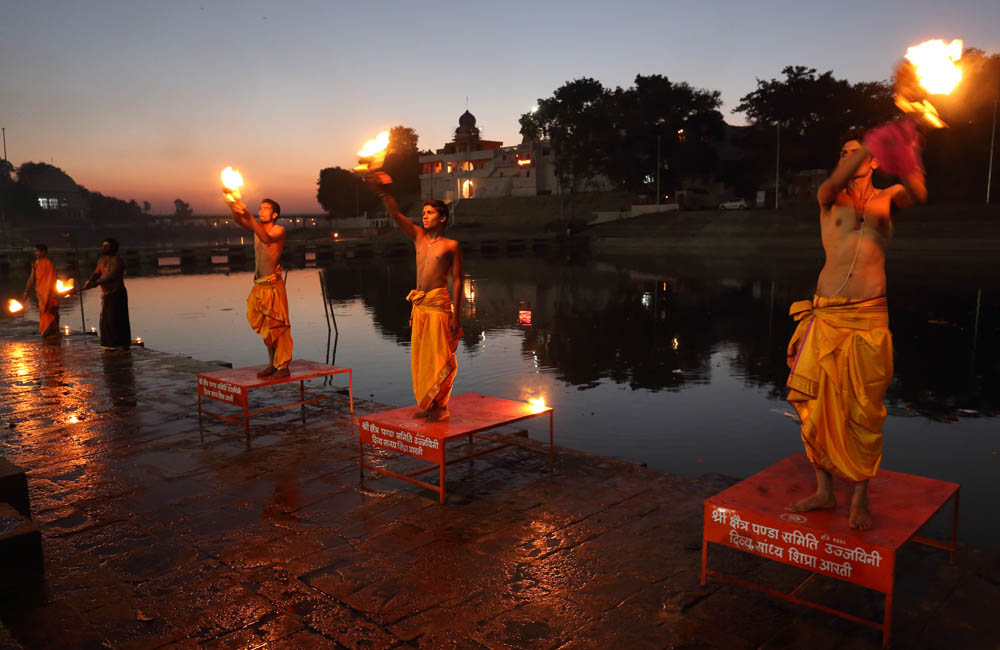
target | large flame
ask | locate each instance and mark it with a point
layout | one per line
(372, 147)
(63, 287)
(232, 180)
(13, 306)
(537, 404)
(936, 65)
(372, 154)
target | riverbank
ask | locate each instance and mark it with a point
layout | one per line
(157, 535)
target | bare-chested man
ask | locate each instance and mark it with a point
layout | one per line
(267, 304)
(116, 329)
(841, 353)
(434, 321)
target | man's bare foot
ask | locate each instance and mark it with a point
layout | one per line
(438, 414)
(817, 501)
(267, 372)
(860, 517)
(421, 414)
(281, 373)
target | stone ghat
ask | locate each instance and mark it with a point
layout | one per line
(159, 535)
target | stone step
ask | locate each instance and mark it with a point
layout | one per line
(14, 487)
(7, 641)
(20, 544)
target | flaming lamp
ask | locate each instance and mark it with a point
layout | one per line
(232, 181)
(14, 306)
(933, 70)
(64, 287)
(372, 154)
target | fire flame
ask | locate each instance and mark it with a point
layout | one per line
(935, 63)
(14, 306)
(372, 147)
(63, 287)
(232, 181)
(537, 404)
(372, 154)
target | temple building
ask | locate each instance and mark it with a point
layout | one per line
(470, 167)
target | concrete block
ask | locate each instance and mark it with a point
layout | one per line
(20, 542)
(14, 487)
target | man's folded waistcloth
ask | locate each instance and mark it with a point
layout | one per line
(432, 347)
(267, 313)
(840, 358)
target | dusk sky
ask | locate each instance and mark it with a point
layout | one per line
(150, 100)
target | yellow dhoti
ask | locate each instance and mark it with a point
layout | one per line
(840, 359)
(432, 347)
(48, 299)
(267, 313)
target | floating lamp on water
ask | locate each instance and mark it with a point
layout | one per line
(232, 181)
(537, 404)
(64, 287)
(372, 154)
(935, 71)
(138, 341)
(14, 306)
(66, 330)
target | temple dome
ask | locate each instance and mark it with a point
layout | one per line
(467, 120)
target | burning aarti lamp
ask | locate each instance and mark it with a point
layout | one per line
(232, 181)
(14, 306)
(932, 69)
(372, 154)
(63, 288)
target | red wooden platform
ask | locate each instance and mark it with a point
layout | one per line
(751, 517)
(471, 413)
(232, 386)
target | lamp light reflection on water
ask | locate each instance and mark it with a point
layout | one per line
(73, 419)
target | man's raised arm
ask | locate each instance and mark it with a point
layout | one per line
(840, 177)
(243, 217)
(379, 182)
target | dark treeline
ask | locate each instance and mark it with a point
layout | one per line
(615, 133)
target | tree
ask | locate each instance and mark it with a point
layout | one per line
(182, 209)
(342, 193)
(686, 121)
(402, 160)
(578, 122)
(814, 111)
(147, 207)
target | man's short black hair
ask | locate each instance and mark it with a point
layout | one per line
(42, 247)
(440, 206)
(852, 134)
(112, 244)
(274, 206)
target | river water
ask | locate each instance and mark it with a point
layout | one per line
(677, 364)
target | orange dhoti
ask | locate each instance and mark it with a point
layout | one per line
(48, 299)
(840, 359)
(267, 313)
(432, 347)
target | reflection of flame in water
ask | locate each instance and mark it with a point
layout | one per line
(63, 287)
(14, 306)
(537, 404)
(73, 419)
(935, 64)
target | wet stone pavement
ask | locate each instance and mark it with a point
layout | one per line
(157, 534)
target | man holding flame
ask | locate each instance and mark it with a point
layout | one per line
(43, 276)
(840, 355)
(434, 319)
(267, 304)
(116, 329)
